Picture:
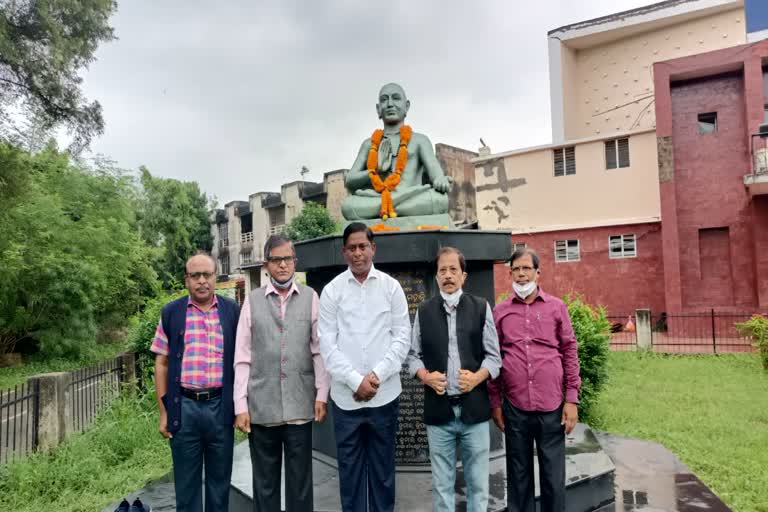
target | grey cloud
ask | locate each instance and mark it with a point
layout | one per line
(239, 96)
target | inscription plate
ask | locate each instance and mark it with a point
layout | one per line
(411, 445)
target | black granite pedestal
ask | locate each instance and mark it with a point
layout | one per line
(408, 256)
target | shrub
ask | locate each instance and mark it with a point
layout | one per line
(757, 328)
(143, 327)
(592, 331)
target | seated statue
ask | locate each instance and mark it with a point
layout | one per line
(388, 177)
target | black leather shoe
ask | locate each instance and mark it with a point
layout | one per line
(138, 506)
(124, 506)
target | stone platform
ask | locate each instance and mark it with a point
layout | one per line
(589, 475)
(647, 478)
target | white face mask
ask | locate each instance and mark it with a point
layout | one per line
(524, 290)
(452, 299)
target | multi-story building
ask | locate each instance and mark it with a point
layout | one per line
(598, 204)
(241, 229)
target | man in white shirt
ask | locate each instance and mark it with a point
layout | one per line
(364, 334)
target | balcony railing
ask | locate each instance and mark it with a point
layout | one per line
(246, 238)
(276, 230)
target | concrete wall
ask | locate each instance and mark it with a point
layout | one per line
(620, 284)
(335, 192)
(457, 163)
(520, 192)
(606, 70)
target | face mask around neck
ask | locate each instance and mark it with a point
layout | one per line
(524, 290)
(282, 286)
(452, 299)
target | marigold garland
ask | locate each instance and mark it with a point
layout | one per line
(387, 186)
(383, 227)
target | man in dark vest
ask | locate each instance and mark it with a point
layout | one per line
(194, 346)
(281, 385)
(454, 350)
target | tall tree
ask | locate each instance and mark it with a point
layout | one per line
(173, 218)
(73, 262)
(312, 221)
(43, 46)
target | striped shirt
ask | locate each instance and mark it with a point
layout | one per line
(202, 365)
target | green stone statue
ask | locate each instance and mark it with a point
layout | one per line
(423, 186)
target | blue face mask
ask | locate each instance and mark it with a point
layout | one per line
(282, 286)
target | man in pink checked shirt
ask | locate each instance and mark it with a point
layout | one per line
(194, 346)
(281, 384)
(539, 385)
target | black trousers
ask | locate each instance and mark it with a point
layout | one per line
(267, 447)
(521, 429)
(365, 448)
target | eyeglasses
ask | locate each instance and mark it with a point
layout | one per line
(198, 275)
(526, 269)
(281, 259)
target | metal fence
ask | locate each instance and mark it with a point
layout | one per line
(623, 333)
(19, 414)
(704, 332)
(90, 390)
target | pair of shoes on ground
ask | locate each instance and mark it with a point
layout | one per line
(137, 506)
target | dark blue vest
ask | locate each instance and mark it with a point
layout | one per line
(174, 318)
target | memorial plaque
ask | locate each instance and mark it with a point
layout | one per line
(411, 445)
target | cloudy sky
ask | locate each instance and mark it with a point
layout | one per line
(239, 96)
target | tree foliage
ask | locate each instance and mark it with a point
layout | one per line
(73, 261)
(44, 44)
(313, 221)
(173, 220)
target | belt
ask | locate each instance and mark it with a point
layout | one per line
(455, 399)
(201, 394)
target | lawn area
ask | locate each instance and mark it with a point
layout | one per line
(98, 352)
(120, 454)
(711, 411)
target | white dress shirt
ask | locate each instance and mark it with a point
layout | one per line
(364, 327)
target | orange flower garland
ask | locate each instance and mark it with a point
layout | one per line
(387, 186)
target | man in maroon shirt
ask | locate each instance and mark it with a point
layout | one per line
(538, 385)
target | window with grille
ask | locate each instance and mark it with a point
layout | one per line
(622, 246)
(564, 161)
(224, 265)
(567, 250)
(617, 153)
(517, 246)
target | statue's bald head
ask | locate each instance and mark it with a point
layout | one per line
(393, 104)
(392, 87)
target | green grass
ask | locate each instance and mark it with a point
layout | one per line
(98, 352)
(711, 411)
(120, 454)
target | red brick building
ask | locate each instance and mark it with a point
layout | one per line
(714, 209)
(710, 250)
